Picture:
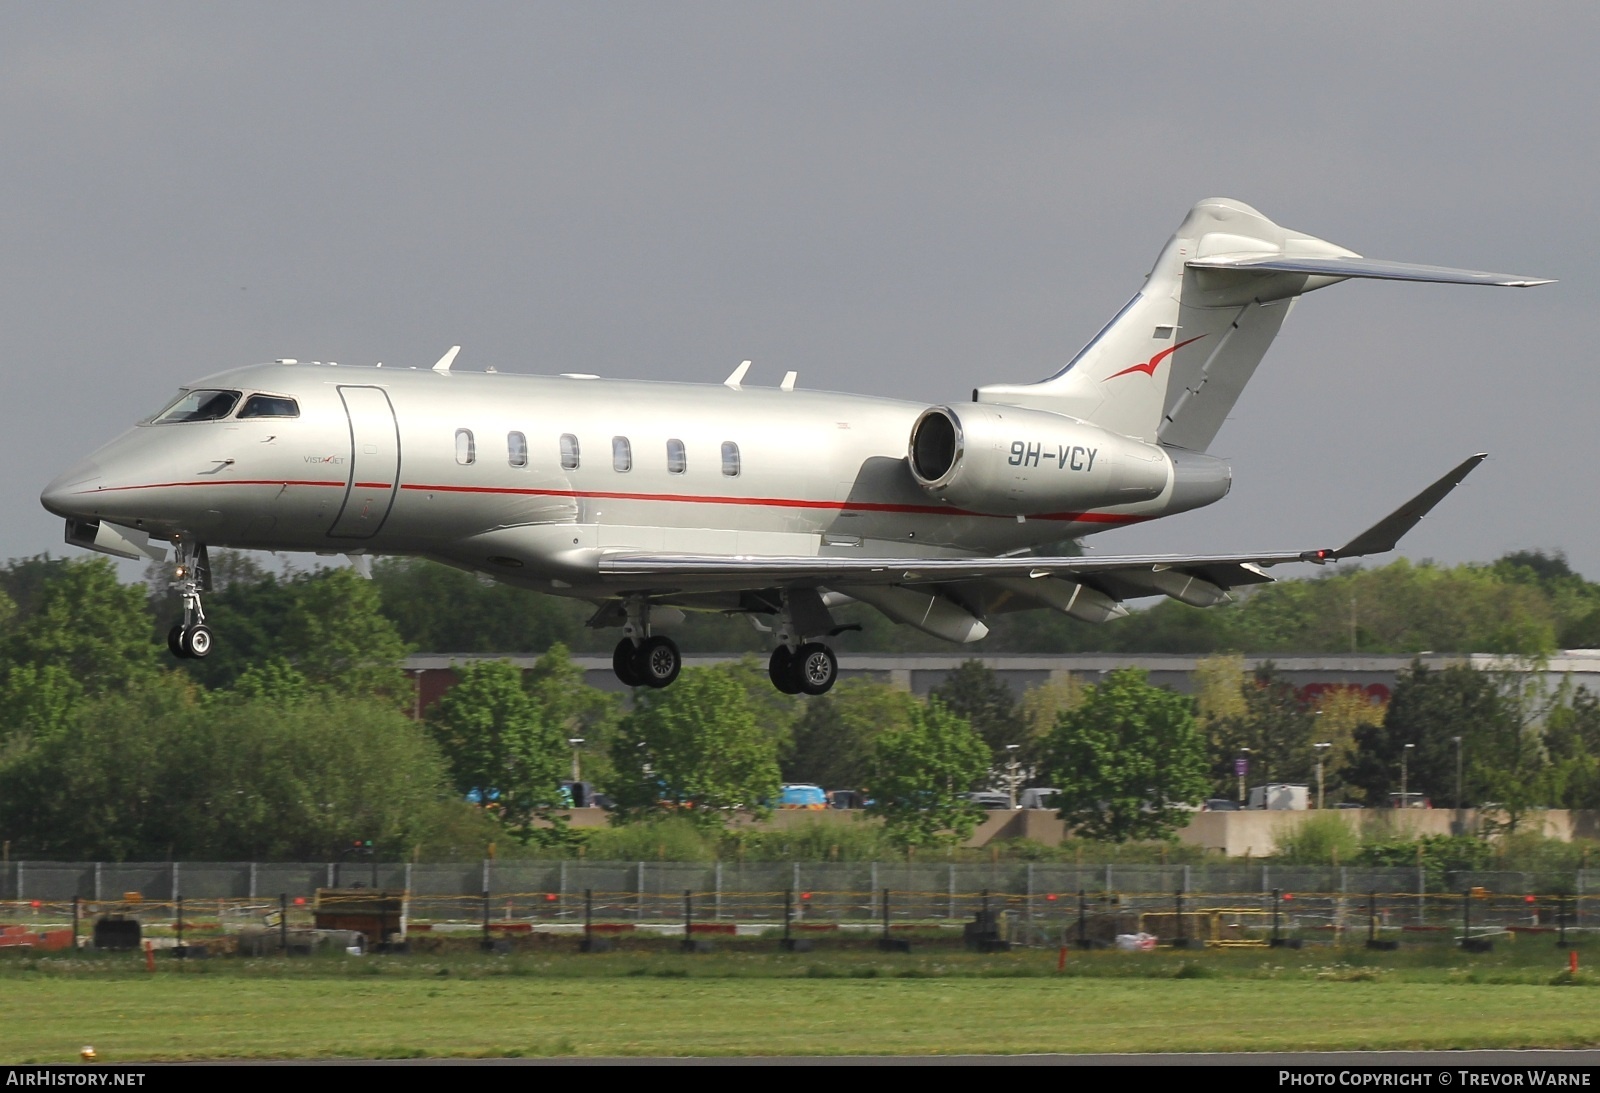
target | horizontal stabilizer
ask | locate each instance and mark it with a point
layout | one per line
(1352, 266)
(1386, 533)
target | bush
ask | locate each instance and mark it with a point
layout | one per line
(1319, 839)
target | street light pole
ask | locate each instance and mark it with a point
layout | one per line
(1457, 740)
(1322, 751)
(1243, 768)
(1011, 772)
(1405, 754)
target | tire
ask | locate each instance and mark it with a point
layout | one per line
(622, 663)
(815, 668)
(197, 641)
(175, 642)
(658, 661)
(780, 669)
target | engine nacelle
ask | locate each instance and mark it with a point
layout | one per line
(1009, 461)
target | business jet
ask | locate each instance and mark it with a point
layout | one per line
(649, 499)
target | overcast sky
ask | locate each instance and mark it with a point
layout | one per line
(900, 199)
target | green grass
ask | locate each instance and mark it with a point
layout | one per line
(751, 1001)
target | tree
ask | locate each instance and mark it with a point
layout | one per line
(1275, 725)
(1127, 760)
(1572, 738)
(162, 770)
(1428, 708)
(974, 692)
(80, 620)
(325, 623)
(921, 772)
(695, 748)
(496, 743)
(575, 710)
(833, 740)
(1342, 712)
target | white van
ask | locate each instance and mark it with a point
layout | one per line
(1280, 796)
(1040, 797)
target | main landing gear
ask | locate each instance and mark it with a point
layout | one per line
(642, 659)
(810, 668)
(799, 666)
(191, 637)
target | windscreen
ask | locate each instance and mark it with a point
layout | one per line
(201, 405)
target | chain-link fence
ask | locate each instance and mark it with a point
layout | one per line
(1044, 903)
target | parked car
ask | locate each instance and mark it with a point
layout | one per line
(1221, 804)
(990, 800)
(1409, 800)
(803, 795)
(848, 798)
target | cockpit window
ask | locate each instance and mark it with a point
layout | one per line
(270, 406)
(200, 405)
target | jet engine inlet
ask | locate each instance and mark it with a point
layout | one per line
(935, 445)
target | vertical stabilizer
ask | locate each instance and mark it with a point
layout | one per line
(1171, 364)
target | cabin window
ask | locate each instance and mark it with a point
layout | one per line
(621, 454)
(466, 451)
(198, 406)
(677, 460)
(269, 406)
(517, 449)
(569, 452)
(730, 459)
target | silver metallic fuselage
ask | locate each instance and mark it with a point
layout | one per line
(371, 465)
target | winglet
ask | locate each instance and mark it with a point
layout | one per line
(447, 360)
(1386, 533)
(736, 378)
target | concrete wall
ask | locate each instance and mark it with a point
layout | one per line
(1236, 834)
(1256, 834)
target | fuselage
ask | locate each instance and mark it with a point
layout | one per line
(532, 478)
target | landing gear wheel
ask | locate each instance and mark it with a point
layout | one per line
(658, 661)
(780, 669)
(175, 642)
(197, 641)
(815, 668)
(622, 663)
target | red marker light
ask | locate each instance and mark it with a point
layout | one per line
(805, 895)
(36, 905)
(299, 901)
(1288, 895)
(1525, 899)
(1051, 897)
(550, 897)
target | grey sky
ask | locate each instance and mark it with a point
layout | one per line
(899, 199)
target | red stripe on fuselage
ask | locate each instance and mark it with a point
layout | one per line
(668, 498)
(217, 482)
(778, 502)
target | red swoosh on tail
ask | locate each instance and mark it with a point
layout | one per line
(1149, 367)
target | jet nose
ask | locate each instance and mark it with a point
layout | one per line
(61, 496)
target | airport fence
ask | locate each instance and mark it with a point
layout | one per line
(1042, 902)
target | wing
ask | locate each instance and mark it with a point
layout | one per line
(1184, 576)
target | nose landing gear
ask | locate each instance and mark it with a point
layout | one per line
(191, 638)
(642, 659)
